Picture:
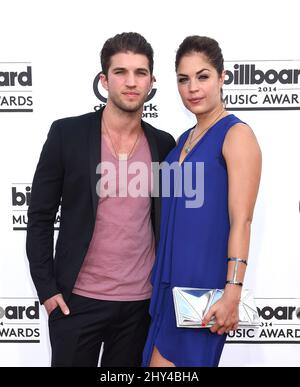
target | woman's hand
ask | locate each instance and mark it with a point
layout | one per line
(225, 312)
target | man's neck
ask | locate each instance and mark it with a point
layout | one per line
(121, 123)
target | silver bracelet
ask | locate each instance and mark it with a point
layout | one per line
(231, 282)
(237, 261)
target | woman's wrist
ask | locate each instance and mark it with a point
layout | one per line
(233, 292)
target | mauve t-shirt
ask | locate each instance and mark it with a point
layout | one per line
(121, 254)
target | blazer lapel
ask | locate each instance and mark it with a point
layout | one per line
(156, 203)
(95, 156)
(151, 141)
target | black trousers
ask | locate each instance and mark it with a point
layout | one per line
(76, 339)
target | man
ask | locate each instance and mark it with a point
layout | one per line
(97, 287)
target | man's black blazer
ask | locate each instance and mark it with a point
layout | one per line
(66, 175)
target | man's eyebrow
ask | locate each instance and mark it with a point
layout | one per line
(124, 68)
(118, 68)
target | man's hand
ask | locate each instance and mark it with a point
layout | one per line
(56, 301)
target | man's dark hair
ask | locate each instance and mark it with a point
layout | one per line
(127, 41)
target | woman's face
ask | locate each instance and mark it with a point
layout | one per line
(199, 84)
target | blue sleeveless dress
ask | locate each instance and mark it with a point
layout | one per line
(192, 253)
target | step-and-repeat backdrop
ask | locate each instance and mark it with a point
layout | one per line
(49, 67)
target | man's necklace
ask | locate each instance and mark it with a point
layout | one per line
(121, 156)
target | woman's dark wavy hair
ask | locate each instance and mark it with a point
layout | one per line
(202, 44)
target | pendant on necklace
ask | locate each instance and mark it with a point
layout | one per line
(187, 149)
(122, 156)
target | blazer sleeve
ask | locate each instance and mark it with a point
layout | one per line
(45, 198)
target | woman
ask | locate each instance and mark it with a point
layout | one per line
(201, 247)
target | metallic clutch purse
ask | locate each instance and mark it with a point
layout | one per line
(192, 304)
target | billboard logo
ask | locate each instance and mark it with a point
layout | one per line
(16, 87)
(19, 320)
(262, 85)
(20, 200)
(280, 323)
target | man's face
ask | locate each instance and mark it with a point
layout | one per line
(128, 81)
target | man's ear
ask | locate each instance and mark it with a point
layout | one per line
(152, 82)
(103, 80)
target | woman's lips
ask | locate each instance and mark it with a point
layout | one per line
(195, 100)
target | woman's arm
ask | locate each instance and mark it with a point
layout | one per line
(243, 158)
